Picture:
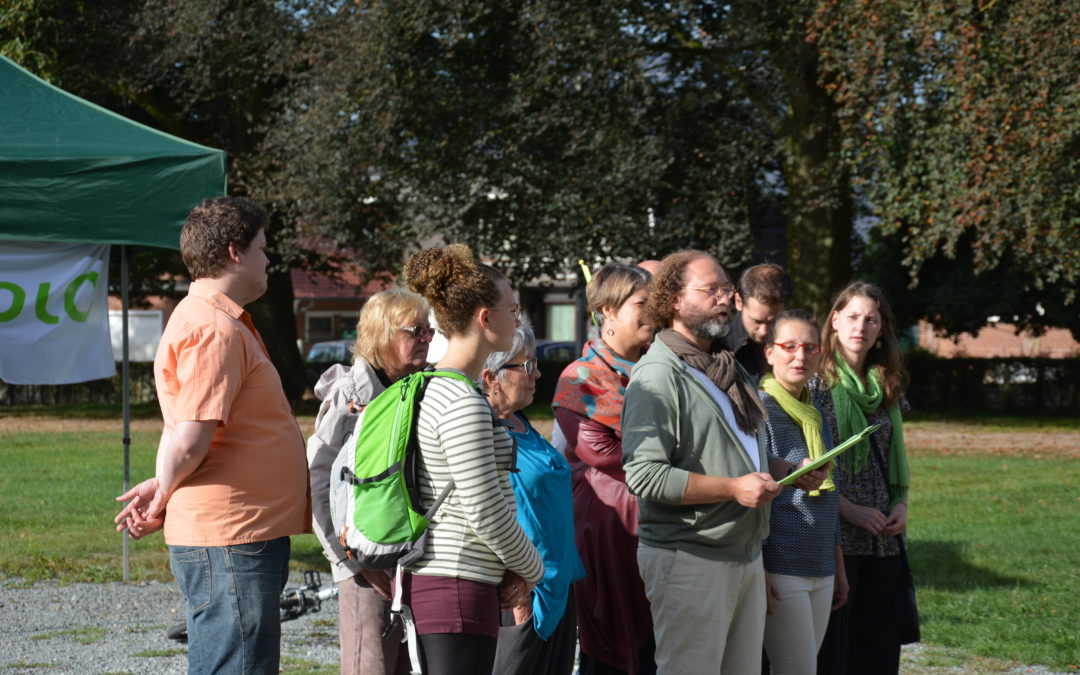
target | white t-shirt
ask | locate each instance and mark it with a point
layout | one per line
(749, 443)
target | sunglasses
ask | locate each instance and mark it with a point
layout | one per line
(792, 347)
(419, 332)
(529, 366)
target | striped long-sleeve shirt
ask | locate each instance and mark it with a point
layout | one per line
(475, 534)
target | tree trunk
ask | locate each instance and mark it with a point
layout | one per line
(274, 318)
(819, 209)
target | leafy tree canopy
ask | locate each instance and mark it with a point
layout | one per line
(543, 131)
(962, 121)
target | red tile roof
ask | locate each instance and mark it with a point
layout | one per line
(346, 284)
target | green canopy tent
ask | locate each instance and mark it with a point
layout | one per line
(72, 171)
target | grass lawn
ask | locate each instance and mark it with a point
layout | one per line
(995, 550)
(995, 541)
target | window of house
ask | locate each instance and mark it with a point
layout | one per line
(320, 328)
(560, 321)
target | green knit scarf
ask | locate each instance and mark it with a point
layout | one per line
(852, 403)
(806, 416)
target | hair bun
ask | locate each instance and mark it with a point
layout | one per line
(433, 271)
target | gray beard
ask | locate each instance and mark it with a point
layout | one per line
(708, 328)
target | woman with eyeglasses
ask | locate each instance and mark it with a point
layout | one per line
(860, 384)
(538, 636)
(476, 558)
(392, 337)
(802, 558)
(614, 621)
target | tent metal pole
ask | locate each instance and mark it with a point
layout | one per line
(126, 384)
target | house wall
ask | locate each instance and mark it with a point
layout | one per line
(1000, 340)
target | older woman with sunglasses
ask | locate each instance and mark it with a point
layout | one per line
(802, 555)
(539, 636)
(392, 339)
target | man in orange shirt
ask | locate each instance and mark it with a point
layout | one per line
(231, 482)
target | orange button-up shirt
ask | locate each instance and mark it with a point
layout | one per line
(253, 484)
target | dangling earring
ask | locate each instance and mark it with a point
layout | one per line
(610, 332)
(878, 343)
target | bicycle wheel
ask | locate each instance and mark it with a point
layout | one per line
(177, 632)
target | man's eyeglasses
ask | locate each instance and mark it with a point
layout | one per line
(792, 347)
(529, 366)
(419, 332)
(721, 292)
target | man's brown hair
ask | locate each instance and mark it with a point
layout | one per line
(767, 283)
(211, 226)
(667, 284)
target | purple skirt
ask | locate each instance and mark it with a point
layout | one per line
(452, 605)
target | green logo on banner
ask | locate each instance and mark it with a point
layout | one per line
(41, 310)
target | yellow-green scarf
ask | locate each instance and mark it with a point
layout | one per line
(806, 416)
(853, 403)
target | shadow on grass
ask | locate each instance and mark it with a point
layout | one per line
(942, 565)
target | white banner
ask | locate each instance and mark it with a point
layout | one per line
(54, 319)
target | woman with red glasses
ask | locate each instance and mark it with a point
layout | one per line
(392, 338)
(803, 562)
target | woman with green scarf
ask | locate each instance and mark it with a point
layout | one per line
(860, 385)
(803, 562)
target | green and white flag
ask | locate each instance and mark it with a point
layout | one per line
(54, 318)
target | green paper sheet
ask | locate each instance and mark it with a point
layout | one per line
(828, 456)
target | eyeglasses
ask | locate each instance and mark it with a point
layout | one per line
(792, 347)
(721, 292)
(419, 332)
(529, 366)
(514, 309)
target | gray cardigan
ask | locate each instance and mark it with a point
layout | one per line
(672, 426)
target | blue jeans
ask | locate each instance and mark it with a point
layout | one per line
(232, 597)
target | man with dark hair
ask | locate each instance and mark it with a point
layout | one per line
(763, 292)
(231, 483)
(694, 454)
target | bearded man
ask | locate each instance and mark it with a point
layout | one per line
(693, 450)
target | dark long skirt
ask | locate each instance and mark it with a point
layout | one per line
(522, 652)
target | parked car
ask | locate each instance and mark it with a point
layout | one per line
(331, 351)
(553, 356)
(556, 350)
(322, 355)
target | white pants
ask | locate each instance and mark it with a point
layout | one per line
(708, 615)
(794, 631)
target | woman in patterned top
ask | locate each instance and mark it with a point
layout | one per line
(860, 385)
(802, 554)
(477, 558)
(614, 620)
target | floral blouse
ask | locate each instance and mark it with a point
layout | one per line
(869, 487)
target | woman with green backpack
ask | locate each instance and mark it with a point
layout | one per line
(477, 558)
(392, 338)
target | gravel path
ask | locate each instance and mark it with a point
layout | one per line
(120, 628)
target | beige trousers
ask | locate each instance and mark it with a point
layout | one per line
(796, 628)
(708, 615)
(361, 620)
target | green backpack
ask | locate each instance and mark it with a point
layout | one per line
(374, 497)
